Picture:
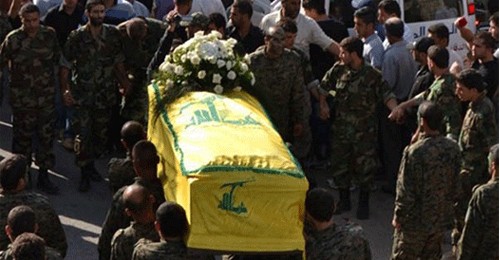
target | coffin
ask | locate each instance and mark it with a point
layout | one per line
(223, 161)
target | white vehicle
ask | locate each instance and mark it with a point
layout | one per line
(420, 14)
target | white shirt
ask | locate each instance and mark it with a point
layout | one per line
(308, 31)
(207, 7)
(140, 9)
(455, 57)
(45, 5)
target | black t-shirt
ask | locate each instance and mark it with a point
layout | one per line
(489, 71)
(63, 23)
(322, 61)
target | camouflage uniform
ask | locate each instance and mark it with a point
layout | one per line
(356, 94)
(279, 88)
(479, 132)
(95, 89)
(442, 93)
(425, 195)
(50, 254)
(480, 235)
(49, 226)
(32, 90)
(5, 28)
(120, 172)
(302, 144)
(137, 58)
(122, 245)
(338, 242)
(147, 250)
(117, 219)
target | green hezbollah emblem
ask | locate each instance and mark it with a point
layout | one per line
(227, 202)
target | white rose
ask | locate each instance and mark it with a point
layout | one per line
(170, 83)
(231, 75)
(163, 66)
(179, 70)
(247, 59)
(217, 34)
(216, 78)
(238, 88)
(221, 63)
(229, 65)
(244, 67)
(198, 34)
(212, 59)
(170, 67)
(201, 74)
(183, 58)
(218, 89)
(195, 59)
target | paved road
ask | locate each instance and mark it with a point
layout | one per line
(83, 213)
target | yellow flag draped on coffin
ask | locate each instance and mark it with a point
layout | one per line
(222, 160)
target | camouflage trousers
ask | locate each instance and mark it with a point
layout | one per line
(134, 106)
(416, 244)
(468, 179)
(91, 129)
(354, 160)
(30, 125)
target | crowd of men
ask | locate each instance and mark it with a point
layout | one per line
(410, 110)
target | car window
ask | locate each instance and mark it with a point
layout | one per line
(429, 10)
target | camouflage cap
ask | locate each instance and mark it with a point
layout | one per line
(197, 19)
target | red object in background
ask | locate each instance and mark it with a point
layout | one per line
(462, 22)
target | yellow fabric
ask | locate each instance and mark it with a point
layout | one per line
(222, 160)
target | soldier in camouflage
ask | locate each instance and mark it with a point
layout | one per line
(21, 219)
(479, 238)
(173, 228)
(33, 53)
(279, 84)
(357, 89)
(479, 132)
(441, 92)
(95, 54)
(327, 240)
(138, 202)
(141, 37)
(426, 190)
(145, 163)
(13, 183)
(121, 170)
(301, 146)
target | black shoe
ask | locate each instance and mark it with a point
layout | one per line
(84, 185)
(363, 211)
(92, 173)
(344, 202)
(95, 176)
(389, 190)
(44, 184)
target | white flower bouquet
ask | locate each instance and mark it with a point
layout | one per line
(203, 63)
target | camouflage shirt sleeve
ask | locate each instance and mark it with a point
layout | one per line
(116, 245)
(406, 186)
(50, 228)
(297, 97)
(451, 110)
(115, 219)
(481, 225)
